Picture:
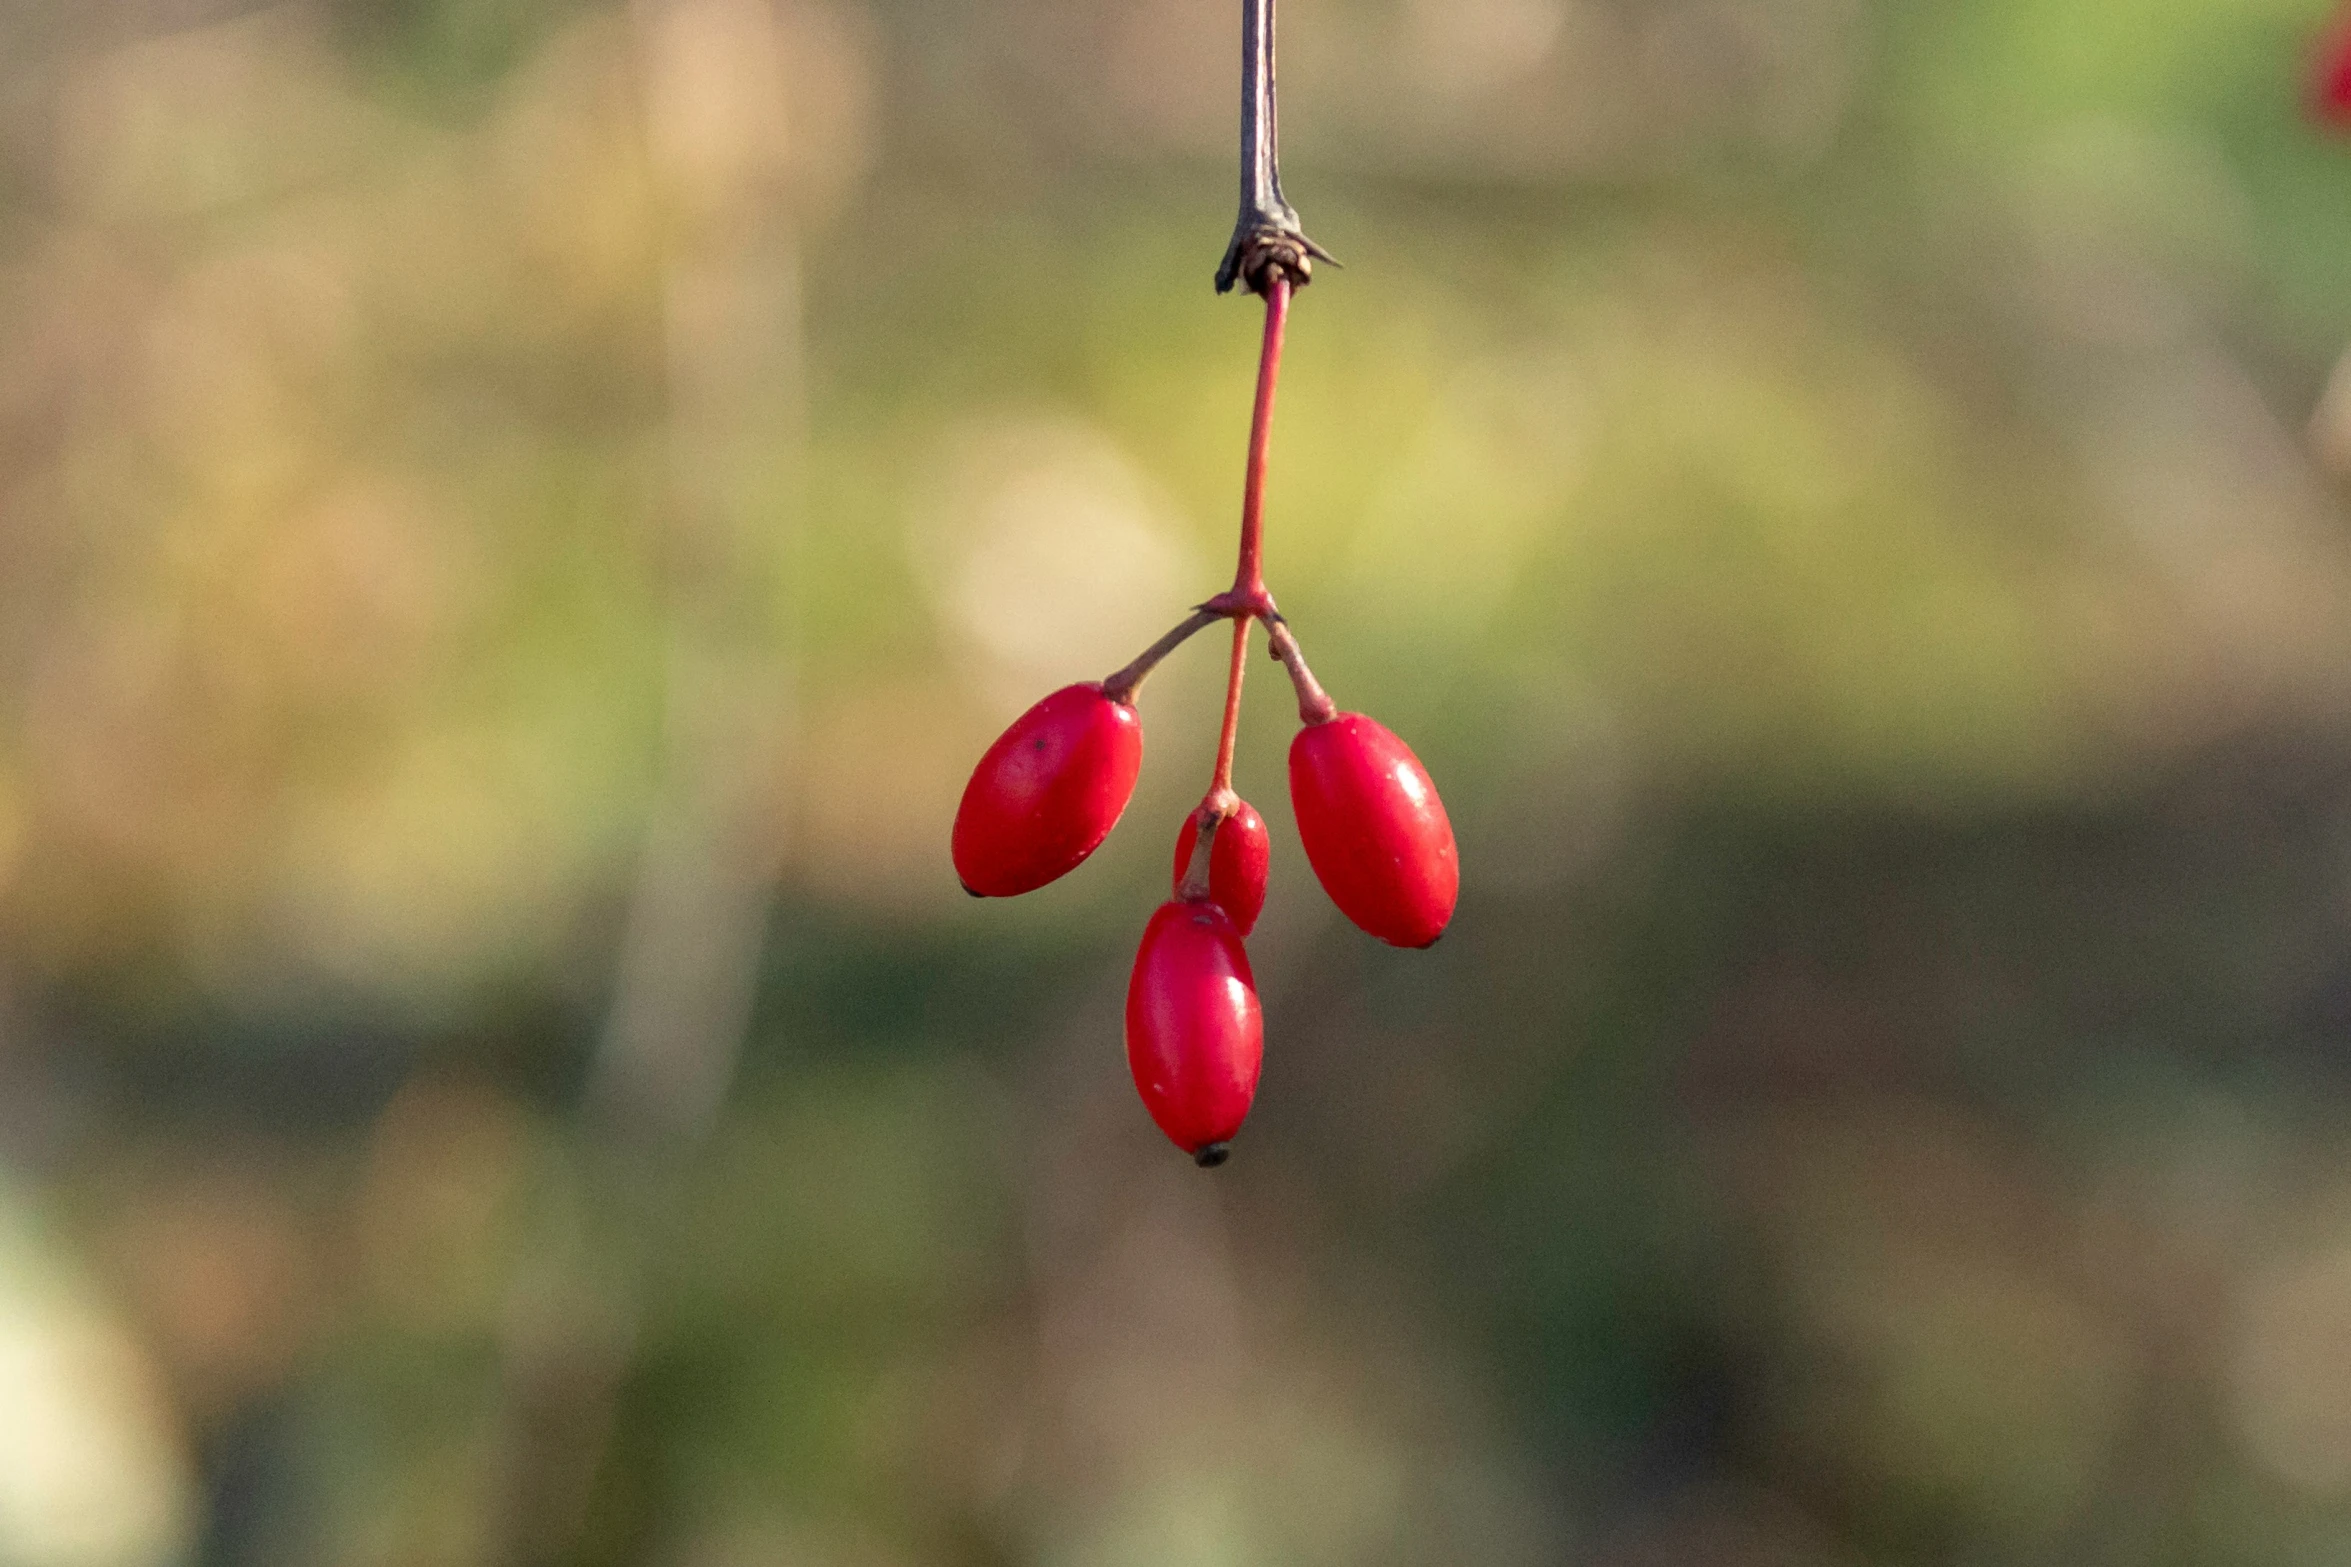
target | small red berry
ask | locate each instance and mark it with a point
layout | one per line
(2330, 87)
(1236, 865)
(1195, 1035)
(1048, 792)
(1374, 830)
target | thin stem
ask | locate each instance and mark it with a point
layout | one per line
(1268, 239)
(1220, 802)
(1205, 822)
(1249, 578)
(1222, 782)
(1121, 686)
(1314, 705)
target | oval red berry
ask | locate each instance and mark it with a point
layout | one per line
(1374, 829)
(1236, 865)
(1047, 792)
(1195, 1034)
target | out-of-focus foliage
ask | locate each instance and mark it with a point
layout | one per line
(517, 515)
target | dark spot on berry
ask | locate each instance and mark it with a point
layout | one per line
(1213, 1155)
(1037, 744)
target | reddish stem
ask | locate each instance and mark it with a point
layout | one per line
(1120, 687)
(1314, 704)
(1205, 821)
(1220, 802)
(1247, 600)
(1222, 782)
(1248, 595)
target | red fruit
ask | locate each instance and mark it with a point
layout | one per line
(1048, 791)
(1195, 1036)
(1374, 830)
(2330, 94)
(1236, 865)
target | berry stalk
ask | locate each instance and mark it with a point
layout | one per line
(1220, 802)
(1248, 598)
(1120, 687)
(1249, 574)
(1221, 781)
(1314, 704)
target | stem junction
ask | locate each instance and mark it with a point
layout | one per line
(1247, 599)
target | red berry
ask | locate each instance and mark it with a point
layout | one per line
(1374, 830)
(2330, 95)
(1048, 792)
(1236, 865)
(1195, 1036)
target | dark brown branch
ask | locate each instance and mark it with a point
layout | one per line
(1267, 235)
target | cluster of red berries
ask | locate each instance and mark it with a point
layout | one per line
(1053, 785)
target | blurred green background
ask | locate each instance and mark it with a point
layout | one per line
(517, 517)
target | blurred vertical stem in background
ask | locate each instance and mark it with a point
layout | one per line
(713, 95)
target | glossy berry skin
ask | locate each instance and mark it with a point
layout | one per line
(1047, 792)
(1195, 1035)
(1236, 865)
(1374, 830)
